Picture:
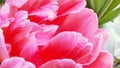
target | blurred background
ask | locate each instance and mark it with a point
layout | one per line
(108, 12)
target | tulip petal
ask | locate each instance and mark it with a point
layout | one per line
(85, 22)
(36, 3)
(47, 12)
(23, 41)
(66, 45)
(68, 6)
(16, 62)
(4, 12)
(104, 60)
(16, 3)
(61, 63)
(21, 15)
(43, 33)
(3, 50)
(97, 45)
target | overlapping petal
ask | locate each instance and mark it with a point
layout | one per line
(16, 3)
(66, 45)
(97, 42)
(3, 48)
(104, 60)
(46, 12)
(50, 34)
(61, 63)
(16, 62)
(81, 22)
(43, 33)
(36, 3)
(4, 13)
(72, 6)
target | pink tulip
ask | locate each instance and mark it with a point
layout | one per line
(54, 34)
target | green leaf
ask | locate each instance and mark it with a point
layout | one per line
(105, 8)
(114, 4)
(98, 5)
(111, 12)
(109, 16)
(90, 4)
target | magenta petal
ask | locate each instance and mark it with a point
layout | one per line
(104, 60)
(21, 15)
(68, 6)
(66, 45)
(36, 3)
(47, 12)
(16, 62)
(63, 63)
(16, 3)
(97, 41)
(4, 12)
(23, 41)
(43, 33)
(85, 22)
(3, 50)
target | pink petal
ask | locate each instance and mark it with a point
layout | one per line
(104, 35)
(66, 45)
(3, 50)
(4, 13)
(16, 3)
(36, 3)
(68, 6)
(97, 44)
(23, 42)
(63, 63)
(21, 15)
(47, 12)
(85, 22)
(4, 10)
(4, 22)
(104, 60)
(43, 33)
(16, 62)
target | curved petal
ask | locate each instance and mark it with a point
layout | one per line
(97, 41)
(66, 45)
(61, 63)
(22, 41)
(104, 35)
(3, 50)
(43, 33)
(16, 62)
(4, 10)
(85, 22)
(4, 13)
(46, 12)
(70, 6)
(104, 60)
(21, 15)
(16, 3)
(36, 3)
